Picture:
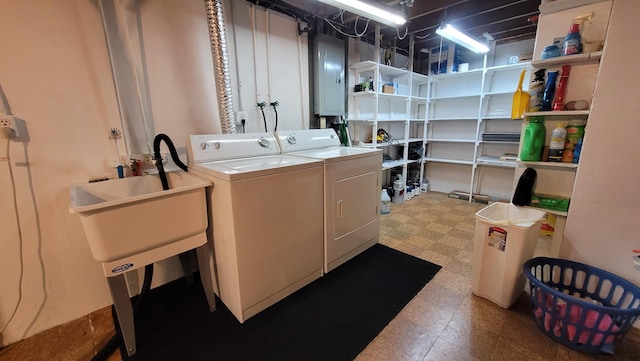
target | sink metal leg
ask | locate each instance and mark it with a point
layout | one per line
(185, 261)
(206, 274)
(124, 310)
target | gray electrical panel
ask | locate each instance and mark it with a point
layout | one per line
(329, 76)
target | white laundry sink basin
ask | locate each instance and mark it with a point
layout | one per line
(123, 217)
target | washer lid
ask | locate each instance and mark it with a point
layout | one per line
(215, 147)
(296, 140)
(343, 153)
(235, 169)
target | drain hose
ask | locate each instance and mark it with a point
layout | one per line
(158, 158)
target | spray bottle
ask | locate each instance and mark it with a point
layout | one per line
(573, 41)
(536, 90)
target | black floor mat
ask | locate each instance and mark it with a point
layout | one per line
(333, 318)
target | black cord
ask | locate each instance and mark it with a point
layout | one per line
(275, 105)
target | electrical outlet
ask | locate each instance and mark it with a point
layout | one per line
(8, 121)
(241, 115)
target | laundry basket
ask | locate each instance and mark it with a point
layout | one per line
(582, 307)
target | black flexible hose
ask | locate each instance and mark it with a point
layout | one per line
(264, 119)
(275, 105)
(109, 348)
(174, 155)
(261, 105)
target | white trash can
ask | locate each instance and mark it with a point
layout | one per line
(505, 238)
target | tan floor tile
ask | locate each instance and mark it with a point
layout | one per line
(453, 241)
(436, 227)
(510, 350)
(452, 281)
(460, 268)
(445, 249)
(381, 349)
(434, 257)
(414, 339)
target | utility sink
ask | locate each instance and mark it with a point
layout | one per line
(124, 218)
(132, 222)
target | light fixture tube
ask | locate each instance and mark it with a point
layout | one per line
(458, 37)
(364, 9)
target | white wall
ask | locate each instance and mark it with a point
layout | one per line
(602, 227)
(56, 75)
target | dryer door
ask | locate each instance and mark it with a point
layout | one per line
(354, 205)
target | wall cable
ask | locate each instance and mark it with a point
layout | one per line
(355, 27)
(7, 158)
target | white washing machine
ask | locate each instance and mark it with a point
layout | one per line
(265, 212)
(352, 183)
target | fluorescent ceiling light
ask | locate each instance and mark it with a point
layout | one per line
(372, 12)
(458, 37)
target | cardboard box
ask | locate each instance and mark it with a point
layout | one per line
(388, 89)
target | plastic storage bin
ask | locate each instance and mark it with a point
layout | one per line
(580, 306)
(506, 236)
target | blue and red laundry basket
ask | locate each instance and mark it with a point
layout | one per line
(583, 307)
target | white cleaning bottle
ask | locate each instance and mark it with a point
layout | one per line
(398, 190)
(385, 202)
(556, 146)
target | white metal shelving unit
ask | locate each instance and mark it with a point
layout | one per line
(401, 115)
(448, 115)
(463, 107)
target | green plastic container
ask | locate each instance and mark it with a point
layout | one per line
(533, 140)
(550, 202)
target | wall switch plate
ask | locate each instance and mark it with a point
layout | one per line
(8, 121)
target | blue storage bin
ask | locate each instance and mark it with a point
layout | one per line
(583, 307)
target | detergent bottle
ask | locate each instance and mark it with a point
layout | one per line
(533, 140)
(385, 202)
(398, 190)
(572, 41)
(556, 146)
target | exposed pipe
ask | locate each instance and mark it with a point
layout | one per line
(235, 42)
(217, 38)
(268, 36)
(255, 57)
(302, 112)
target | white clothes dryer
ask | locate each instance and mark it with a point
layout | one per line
(265, 212)
(352, 183)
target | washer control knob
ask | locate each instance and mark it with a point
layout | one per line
(204, 146)
(216, 145)
(264, 142)
(291, 139)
